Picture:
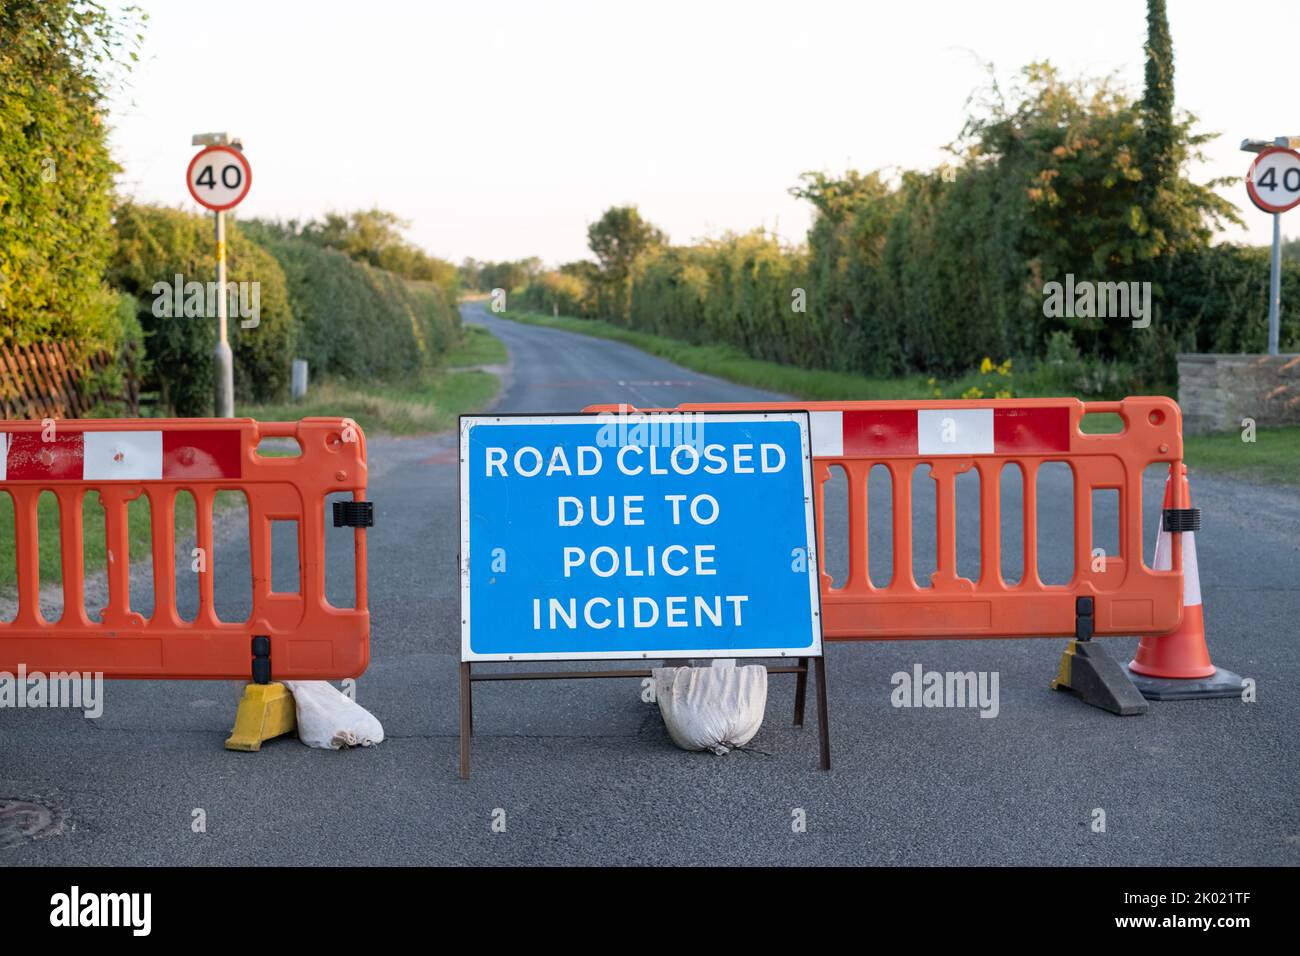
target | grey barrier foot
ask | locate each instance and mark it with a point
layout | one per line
(1222, 683)
(1096, 678)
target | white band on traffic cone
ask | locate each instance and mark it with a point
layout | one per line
(1164, 562)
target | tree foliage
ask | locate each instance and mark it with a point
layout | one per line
(56, 175)
(562, 293)
(486, 276)
(1160, 133)
(618, 239)
(933, 271)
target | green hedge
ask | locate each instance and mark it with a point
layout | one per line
(1217, 300)
(738, 290)
(357, 321)
(154, 244)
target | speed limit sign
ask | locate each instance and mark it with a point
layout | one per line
(1273, 181)
(219, 177)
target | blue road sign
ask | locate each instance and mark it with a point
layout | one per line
(637, 535)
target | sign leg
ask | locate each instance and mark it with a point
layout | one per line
(466, 717)
(469, 708)
(823, 716)
(800, 691)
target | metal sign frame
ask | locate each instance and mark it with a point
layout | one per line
(806, 659)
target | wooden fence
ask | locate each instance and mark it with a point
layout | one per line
(46, 380)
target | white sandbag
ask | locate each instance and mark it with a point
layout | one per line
(331, 720)
(711, 708)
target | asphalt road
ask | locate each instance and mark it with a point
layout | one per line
(585, 773)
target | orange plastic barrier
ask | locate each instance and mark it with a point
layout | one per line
(954, 437)
(303, 636)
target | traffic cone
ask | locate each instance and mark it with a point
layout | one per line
(1176, 665)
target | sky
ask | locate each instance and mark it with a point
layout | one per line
(500, 130)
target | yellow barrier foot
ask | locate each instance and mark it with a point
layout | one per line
(266, 711)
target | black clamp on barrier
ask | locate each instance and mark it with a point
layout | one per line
(261, 660)
(1177, 520)
(1083, 619)
(1091, 674)
(354, 514)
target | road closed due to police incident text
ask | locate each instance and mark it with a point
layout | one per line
(637, 536)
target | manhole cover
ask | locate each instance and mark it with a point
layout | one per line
(21, 820)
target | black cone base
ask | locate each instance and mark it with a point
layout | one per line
(1222, 683)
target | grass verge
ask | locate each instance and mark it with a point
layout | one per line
(1274, 457)
(425, 403)
(477, 347)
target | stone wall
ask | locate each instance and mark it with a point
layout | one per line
(1217, 391)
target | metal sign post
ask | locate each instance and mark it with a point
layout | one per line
(1275, 287)
(222, 356)
(1273, 184)
(219, 177)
